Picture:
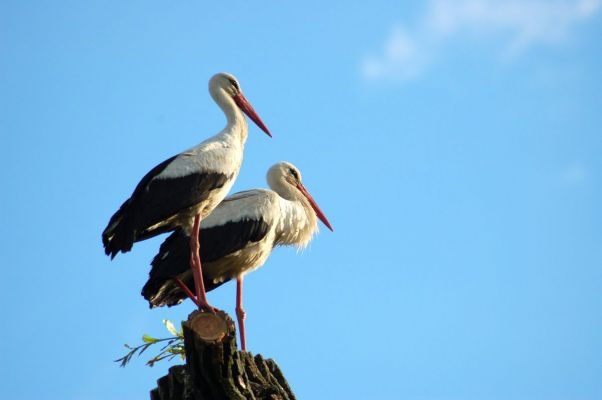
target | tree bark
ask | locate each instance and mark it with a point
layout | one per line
(216, 370)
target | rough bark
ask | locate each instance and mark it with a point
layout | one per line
(216, 370)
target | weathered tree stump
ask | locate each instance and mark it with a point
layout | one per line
(216, 370)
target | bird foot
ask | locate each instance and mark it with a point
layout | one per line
(205, 306)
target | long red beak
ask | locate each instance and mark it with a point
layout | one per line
(314, 205)
(245, 106)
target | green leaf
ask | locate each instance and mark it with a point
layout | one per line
(148, 339)
(171, 347)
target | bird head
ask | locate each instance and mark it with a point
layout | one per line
(285, 179)
(229, 85)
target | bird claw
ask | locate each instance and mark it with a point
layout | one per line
(204, 306)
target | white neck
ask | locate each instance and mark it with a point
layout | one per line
(237, 127)
(297, 221)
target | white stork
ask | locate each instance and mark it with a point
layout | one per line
(184, 189)
(238, 237)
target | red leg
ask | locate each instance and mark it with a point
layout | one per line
(195, 265)
(194, 251)
(185, 289)
(240, 314)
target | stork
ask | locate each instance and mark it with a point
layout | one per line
(238, 238)
(182, 190)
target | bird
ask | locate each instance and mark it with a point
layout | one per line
(239, 236)
(182, 190)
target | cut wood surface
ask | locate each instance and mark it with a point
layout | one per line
(216, 370)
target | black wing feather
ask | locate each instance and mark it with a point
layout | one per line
(174, 255)
(113, 244)
(153, 201)
(164, 198)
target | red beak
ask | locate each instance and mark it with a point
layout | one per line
(246, 107)
(314, 205)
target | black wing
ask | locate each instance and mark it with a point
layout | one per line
(154, 201)
(174, 255)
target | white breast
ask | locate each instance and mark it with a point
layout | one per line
(297, 223)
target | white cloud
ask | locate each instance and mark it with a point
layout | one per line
(401, 60)
(520, 24)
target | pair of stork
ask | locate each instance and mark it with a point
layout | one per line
(186, 195)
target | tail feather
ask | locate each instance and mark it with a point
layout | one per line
(122, 231)
(160, 292)
(164, 292)
(119, 235)
(173, 260)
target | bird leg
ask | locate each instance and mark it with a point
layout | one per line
(195, 265)
(240, 314)
(185, 289)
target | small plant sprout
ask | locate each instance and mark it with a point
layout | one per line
(172, 346)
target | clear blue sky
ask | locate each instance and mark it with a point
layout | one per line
(456, 147)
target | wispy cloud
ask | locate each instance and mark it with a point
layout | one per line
(518, 24)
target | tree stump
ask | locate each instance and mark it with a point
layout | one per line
(216, 370)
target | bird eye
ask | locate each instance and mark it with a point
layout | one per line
(234, 83)
(294, 173)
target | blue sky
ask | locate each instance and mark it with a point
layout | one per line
(454, 146)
